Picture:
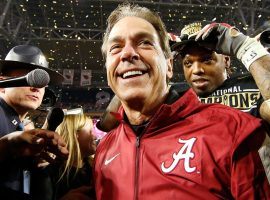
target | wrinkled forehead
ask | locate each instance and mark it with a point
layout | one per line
(132, 27)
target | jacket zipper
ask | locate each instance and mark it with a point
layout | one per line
(137, 167)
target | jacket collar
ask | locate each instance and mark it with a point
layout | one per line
(179, 104)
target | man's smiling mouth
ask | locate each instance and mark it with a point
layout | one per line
(131, 74)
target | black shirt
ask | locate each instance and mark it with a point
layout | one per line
(11, 180)
(240, 92)
(9, 119)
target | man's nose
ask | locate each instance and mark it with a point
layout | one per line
(33, 89)
(197, 68)
(129, 53)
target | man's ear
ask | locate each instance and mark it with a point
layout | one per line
(227, 60)
(170, 68)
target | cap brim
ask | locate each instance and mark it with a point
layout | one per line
(6, 65)
(180, 45)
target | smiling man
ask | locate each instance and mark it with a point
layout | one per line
(168, 144)
(135, 66)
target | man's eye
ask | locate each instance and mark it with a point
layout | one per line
(145, 42)
(114, 48)
(207, 60)
(187, 63)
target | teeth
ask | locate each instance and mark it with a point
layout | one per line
(131, 73)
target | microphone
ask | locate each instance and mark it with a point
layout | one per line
(37, 78)
(55, 118)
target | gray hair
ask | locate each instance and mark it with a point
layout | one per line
(128, 10)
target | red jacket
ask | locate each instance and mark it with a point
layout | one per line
(189, 150)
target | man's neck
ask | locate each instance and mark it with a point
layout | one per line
(22, 112)
(136, 117)
(141, 113)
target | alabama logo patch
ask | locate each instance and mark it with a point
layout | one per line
(185, 154)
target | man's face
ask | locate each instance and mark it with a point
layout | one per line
(204, 70)
(22, 99)
(136, 65)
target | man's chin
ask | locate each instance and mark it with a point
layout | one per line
(30, 107)
(132, 97)
(130, 93)
(202, 93)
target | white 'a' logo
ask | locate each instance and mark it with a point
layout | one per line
(184, 153)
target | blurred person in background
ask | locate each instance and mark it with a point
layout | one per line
(76, 173)
(77, 132)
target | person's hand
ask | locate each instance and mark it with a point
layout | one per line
(81, 193)
(222, 38)
(37, 142)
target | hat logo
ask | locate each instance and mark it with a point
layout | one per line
(191, 29)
